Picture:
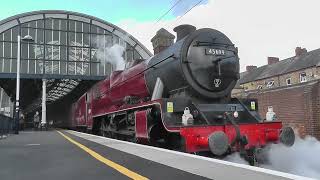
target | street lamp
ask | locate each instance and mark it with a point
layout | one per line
(28, 39)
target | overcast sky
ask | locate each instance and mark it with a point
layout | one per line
(259, 28)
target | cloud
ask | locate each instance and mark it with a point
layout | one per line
(258, 28)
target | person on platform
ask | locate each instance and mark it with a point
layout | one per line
(36, 120)
(21, 122)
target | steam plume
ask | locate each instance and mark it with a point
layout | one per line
(303, 158)
(108, 53)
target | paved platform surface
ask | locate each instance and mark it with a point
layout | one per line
(60, 155)
(49, 155)
(202, 166)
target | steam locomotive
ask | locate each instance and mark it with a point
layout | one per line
(181, 99)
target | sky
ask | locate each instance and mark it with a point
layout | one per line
(258, 28)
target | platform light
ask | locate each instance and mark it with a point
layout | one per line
(28, 39)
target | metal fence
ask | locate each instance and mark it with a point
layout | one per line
(5, 125)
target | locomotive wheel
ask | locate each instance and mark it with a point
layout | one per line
(104, 134)
(252, 157)
(253, 160)
(134, 139)
(131, 119)
(104, 131)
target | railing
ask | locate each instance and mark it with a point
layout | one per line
(5, 126)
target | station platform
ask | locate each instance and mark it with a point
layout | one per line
(64, 154)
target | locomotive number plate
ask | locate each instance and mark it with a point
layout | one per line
(214, 52)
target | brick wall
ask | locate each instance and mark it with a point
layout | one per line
(297, 106)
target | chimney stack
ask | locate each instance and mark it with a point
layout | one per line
(300, 51)
(250, 68)
(272, 60)
(183, 30)
(162, 40)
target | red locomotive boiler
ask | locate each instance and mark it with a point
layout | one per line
(181, 99)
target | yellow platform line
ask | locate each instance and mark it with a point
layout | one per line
(106, 161)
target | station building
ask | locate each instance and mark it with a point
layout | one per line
(69, 51)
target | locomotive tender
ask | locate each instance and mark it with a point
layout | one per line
(181, 98)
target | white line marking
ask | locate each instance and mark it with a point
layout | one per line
(32, 145)
(227, 164)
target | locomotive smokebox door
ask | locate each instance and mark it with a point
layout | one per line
(210, 63)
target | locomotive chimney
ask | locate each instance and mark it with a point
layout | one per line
(183, 30)
(162, 40)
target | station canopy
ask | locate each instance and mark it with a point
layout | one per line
(65, 51)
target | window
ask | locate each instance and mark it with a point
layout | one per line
(63, 41)
(259, 87)
(303, 77)
(270, 84)
(288, 81)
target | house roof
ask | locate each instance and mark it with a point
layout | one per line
(288, 65)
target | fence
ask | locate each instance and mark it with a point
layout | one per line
(5, 125)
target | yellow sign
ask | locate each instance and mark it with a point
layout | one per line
(169, 106)
(253, 105)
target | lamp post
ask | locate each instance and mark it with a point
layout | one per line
(44, 108)
(28, 39)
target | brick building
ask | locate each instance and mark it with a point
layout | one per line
(291, 86)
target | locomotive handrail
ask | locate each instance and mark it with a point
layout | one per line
(200, 43)
(202, 114)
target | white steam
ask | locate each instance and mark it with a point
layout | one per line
(112, 55)
(108, 53)
(303, 158)
(235, 157)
